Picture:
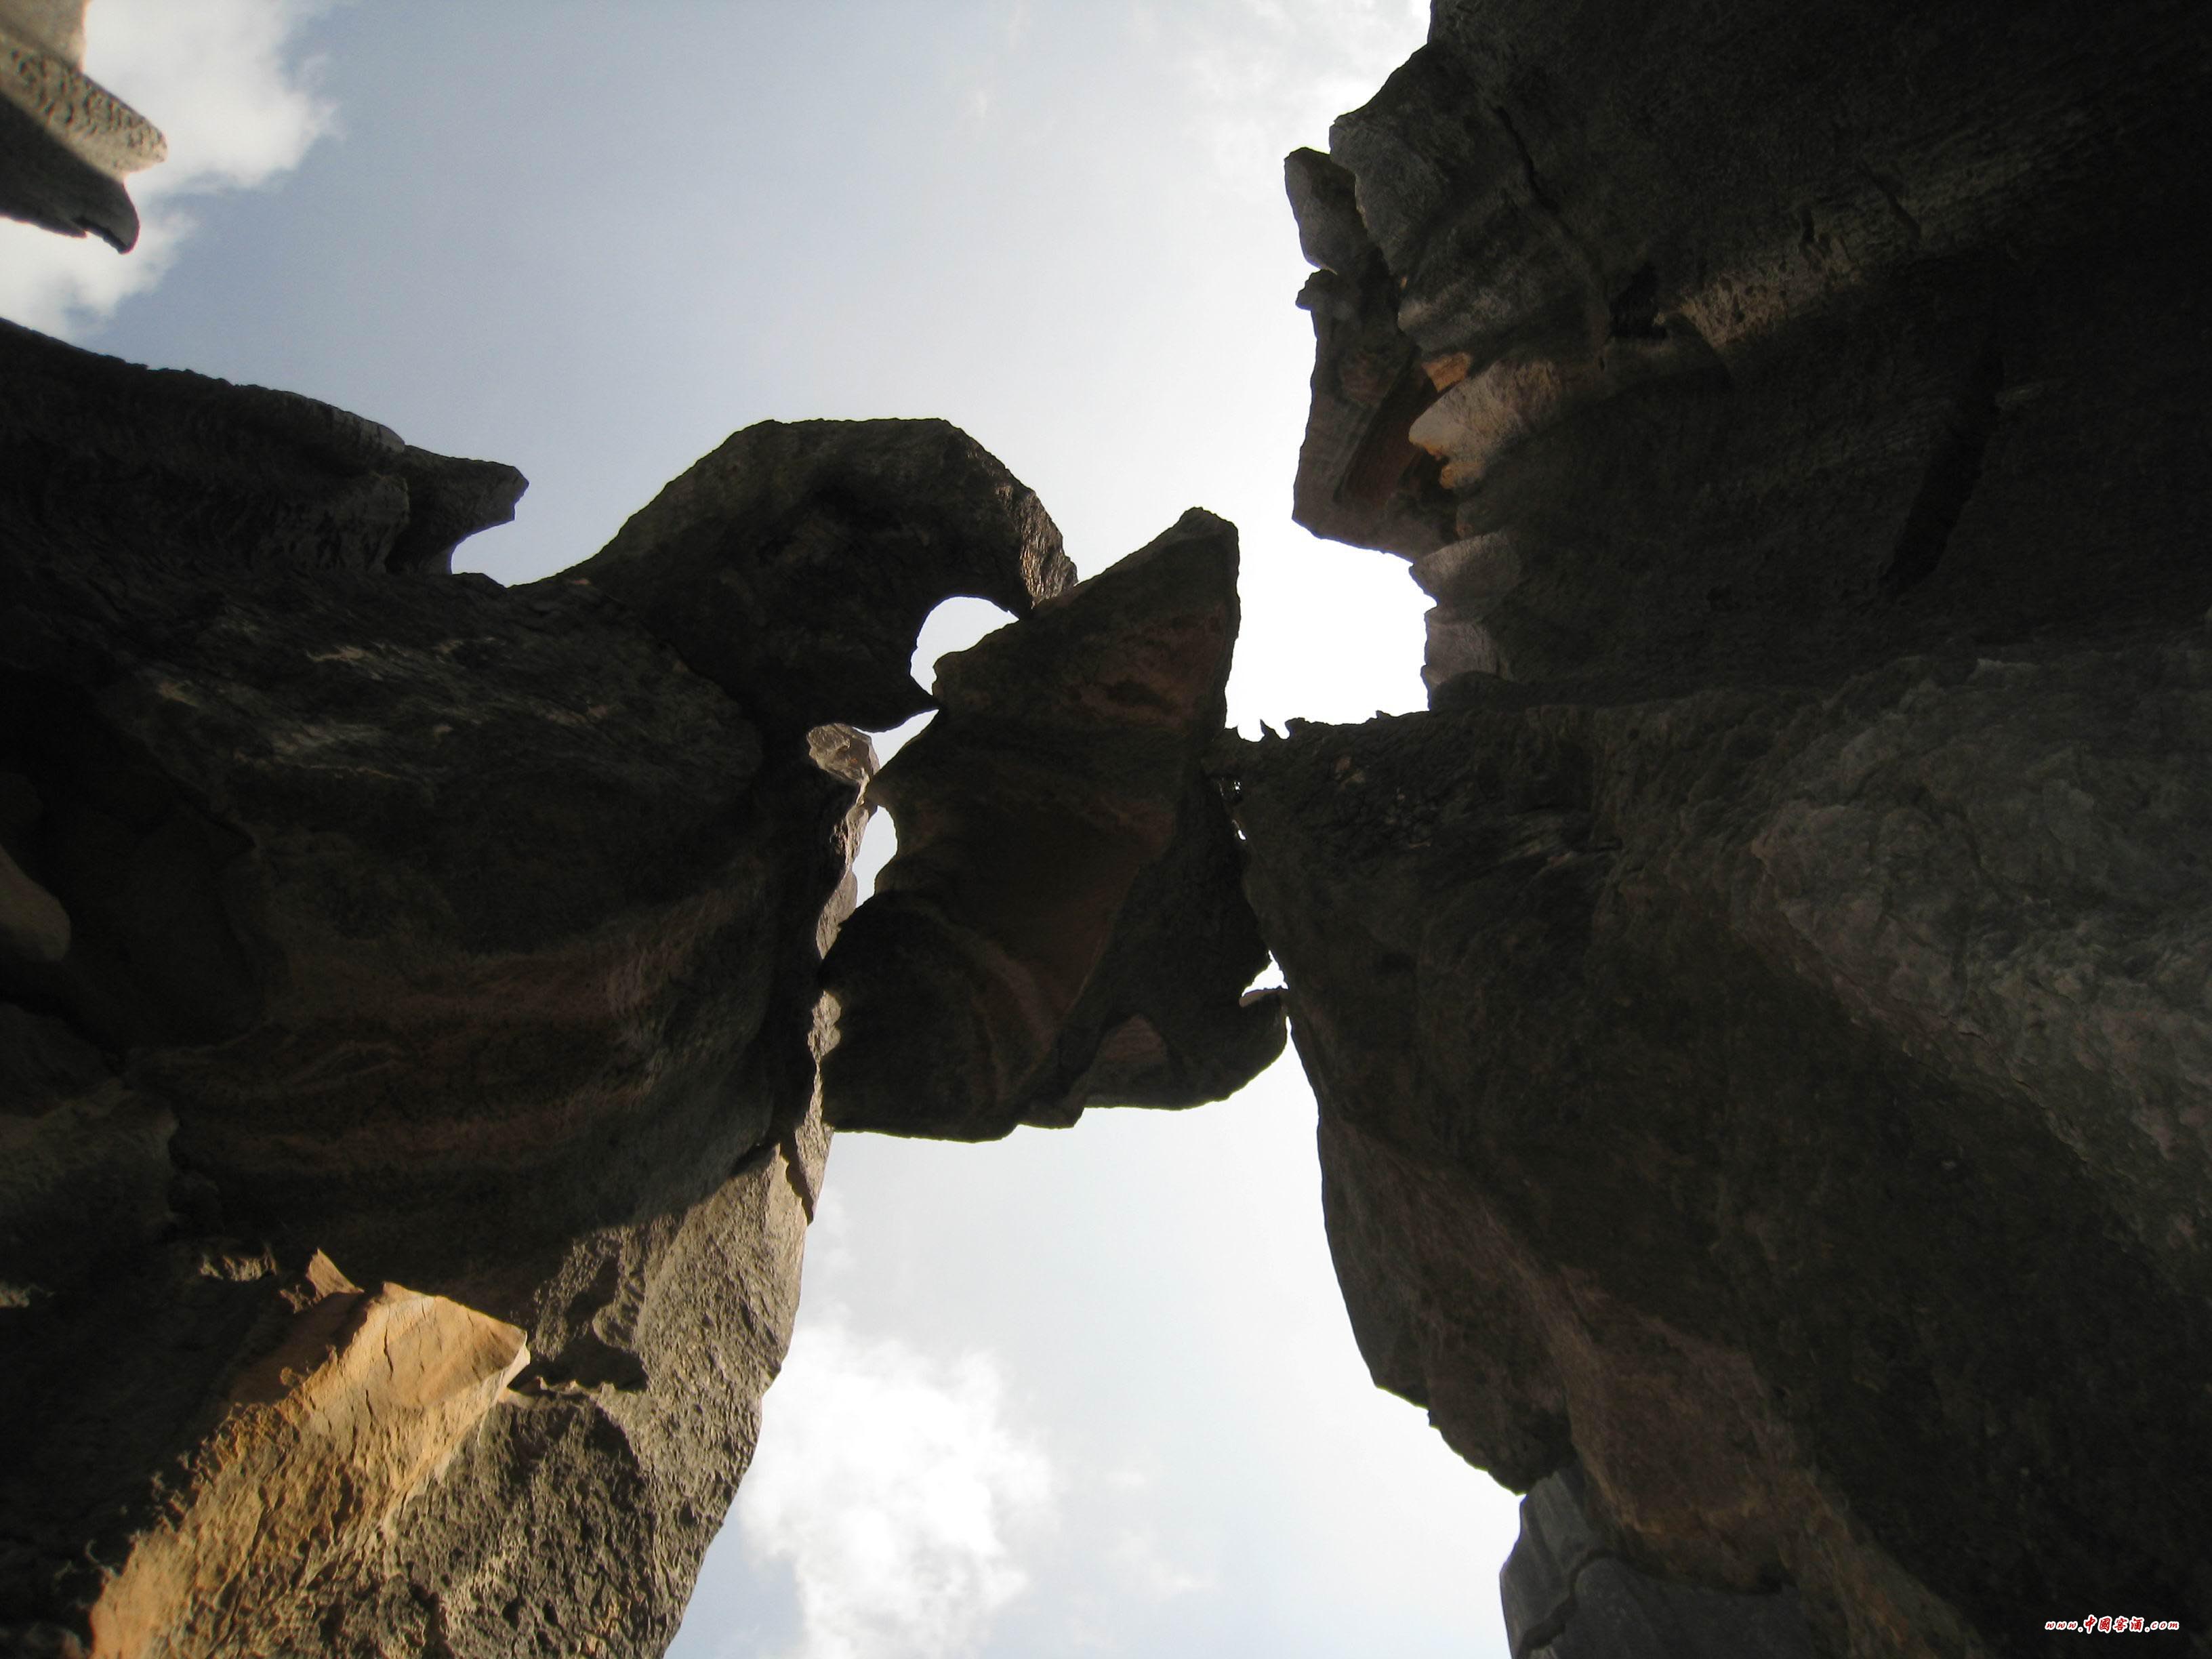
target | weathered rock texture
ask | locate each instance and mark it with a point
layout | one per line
(1762, 1017)
(1761, 1014)
(1062, 926)
(66, 142)
(1568, 1596)
(795, 566)
(1798, 336)
(410, 1006)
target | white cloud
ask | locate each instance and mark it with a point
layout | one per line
(224, 82)
(891, 1484)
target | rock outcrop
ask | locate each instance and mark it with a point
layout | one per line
(410, 1010)
(1760, 1015)
(1569, 1596)
(1062, 926)
(410, 988)
(795, 566)
(66, 142)
(1743, 1092)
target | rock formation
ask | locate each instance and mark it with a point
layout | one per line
(1569, 1595)
(1760, 1012)
(66, 142)
(795, 566)
(409, 985)
(1760, 1015)
(1062, 926)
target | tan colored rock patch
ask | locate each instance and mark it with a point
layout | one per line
(322, 1441)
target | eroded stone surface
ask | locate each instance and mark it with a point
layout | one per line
(193, 483)
(1764, 1003)
(455, 937)
(66, 142)
(364, 1401)
(1061, 923)
(1360, 477)
(1739, 1090)
(794, 565)
(1745, 349)
(1568, 1596)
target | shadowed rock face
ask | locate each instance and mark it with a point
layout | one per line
(194, 484)
(409, 987)
(795, 566)
(1061, 924)
(1569, 1595)
(1733, 1090)
(393, 966)
(1759, 1016)
(1712, 350)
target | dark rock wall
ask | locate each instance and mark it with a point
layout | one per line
(1724, 1089)
(410, 1009)
(1568, 1596)
(1779, 337)
(1759, 1016)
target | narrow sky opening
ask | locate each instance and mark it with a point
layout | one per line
(1062, 229)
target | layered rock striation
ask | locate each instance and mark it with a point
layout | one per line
(410, 1007)
(1760, 1015)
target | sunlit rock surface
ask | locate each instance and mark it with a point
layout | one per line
(1760, 1016)
(410, 1010)
(66, 142)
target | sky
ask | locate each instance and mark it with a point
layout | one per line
(1081, 1391)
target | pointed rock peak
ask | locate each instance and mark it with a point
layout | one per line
(1143, 645)
(1063, 924)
